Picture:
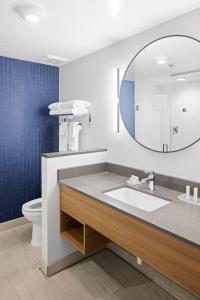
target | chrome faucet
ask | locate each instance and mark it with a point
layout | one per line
(150, 179)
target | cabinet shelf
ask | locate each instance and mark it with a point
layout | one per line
(81, 236)
(75, 236)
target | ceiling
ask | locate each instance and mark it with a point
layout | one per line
(75, 28)
(182, 60)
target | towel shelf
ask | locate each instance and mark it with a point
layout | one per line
(62, 115)
(73, 118)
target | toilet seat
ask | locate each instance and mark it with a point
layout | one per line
(33, 205)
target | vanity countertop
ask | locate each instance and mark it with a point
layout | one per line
(67, 153)
(178, 218)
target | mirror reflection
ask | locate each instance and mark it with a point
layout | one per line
(160, 94)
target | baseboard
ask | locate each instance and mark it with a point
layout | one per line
(65, 262)
(13, 223)
(61, 264)
(168, 285)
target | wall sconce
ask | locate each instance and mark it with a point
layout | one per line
(116, 86)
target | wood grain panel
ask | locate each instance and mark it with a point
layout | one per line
(75, 236)
(80, 235)
(72, 230)
(173, 257)
(93, 240)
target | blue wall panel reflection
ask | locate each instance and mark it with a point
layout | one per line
(26, 130)
(127, 105)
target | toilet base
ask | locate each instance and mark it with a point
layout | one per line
(36, 235)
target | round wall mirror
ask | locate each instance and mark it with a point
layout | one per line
(160, 94)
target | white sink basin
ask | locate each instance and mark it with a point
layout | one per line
(137, 199)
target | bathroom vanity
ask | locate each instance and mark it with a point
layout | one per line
(97, 206)
(166, 238)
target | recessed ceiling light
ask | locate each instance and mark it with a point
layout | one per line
(31, 14)
(32, 18)
(161, 60)
(115, 7)
(181, 78)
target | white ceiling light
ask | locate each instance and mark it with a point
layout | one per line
(181, 79)
(161, 60)
(31, 14)
(115, 7)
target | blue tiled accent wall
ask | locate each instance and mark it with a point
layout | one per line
(26, 130)
(127, 105)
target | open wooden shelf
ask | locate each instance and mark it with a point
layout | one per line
(72, 230)
(81, 236)
(75, 236)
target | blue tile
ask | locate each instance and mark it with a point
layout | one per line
(26, 130)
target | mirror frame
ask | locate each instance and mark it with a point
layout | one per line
(158, 39)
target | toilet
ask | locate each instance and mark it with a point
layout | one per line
(32, 211)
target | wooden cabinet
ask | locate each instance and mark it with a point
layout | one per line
(175, 258)
(80, 235)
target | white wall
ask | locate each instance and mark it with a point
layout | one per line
(91, 78)
(51, 203)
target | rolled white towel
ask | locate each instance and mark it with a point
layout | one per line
(77, 111)
(69, 104)
(61, 112)
(77, 103)
(56, 106)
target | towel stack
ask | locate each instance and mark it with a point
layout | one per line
(74, 107)
(69, 136)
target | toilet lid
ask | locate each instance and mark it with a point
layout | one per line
(33, 205)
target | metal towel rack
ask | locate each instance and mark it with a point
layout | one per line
(73, 118)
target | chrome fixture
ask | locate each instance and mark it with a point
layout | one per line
(150, 179)
(165, 148)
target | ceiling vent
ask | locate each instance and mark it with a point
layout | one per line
(53, 60)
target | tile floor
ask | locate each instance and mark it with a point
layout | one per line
(102, 276)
